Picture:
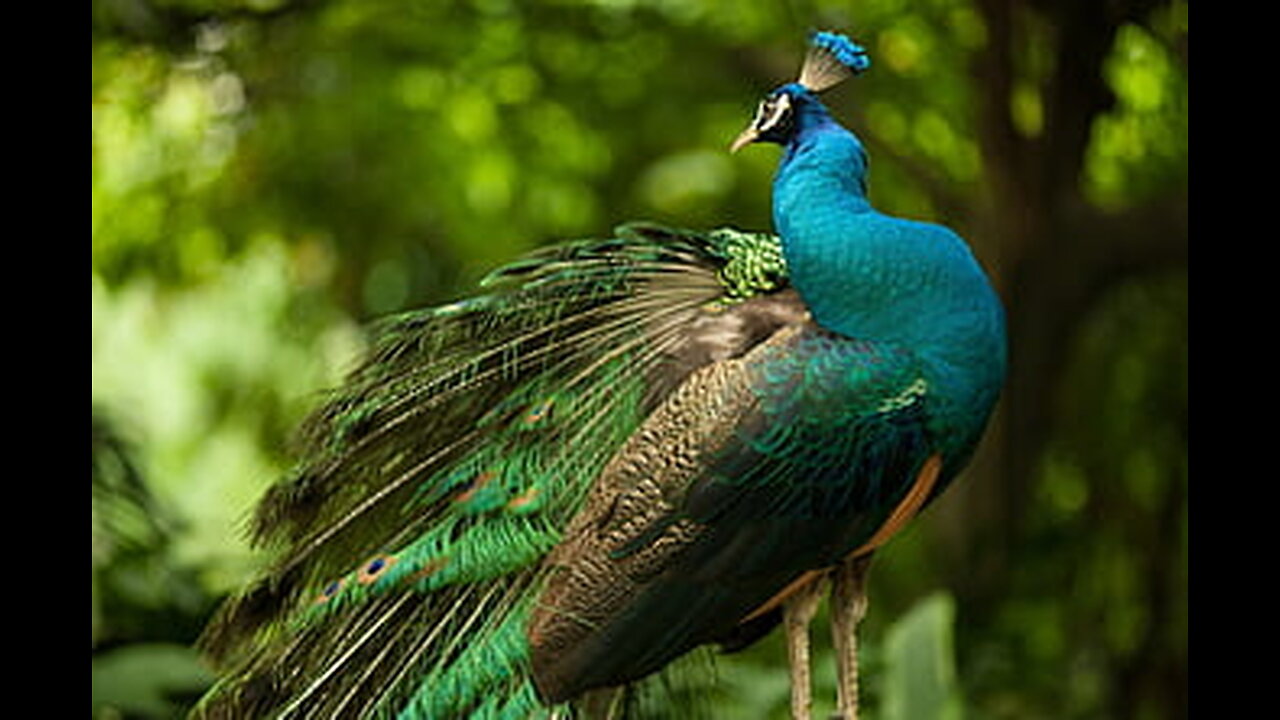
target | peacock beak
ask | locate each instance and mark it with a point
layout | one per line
(747, 137)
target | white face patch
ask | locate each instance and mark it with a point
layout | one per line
(771, 112)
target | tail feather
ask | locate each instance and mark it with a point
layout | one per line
(409, 538)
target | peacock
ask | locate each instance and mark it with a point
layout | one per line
(522, 503)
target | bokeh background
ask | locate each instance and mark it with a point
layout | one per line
(269, 175)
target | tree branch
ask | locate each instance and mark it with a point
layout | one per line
(1003, 149)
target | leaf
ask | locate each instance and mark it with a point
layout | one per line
(140, 680)
(920, 675)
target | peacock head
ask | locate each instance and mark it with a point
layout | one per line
(831, 59)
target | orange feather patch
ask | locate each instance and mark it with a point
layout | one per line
(906, 509)
(523, 500)
(474, 486)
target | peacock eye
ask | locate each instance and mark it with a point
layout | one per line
(375, 568)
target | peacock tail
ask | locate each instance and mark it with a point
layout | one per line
(433, 483)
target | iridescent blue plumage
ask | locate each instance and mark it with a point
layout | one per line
(625, 449)
(844, 49)
(890, 281)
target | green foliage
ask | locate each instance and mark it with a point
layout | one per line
(230, 364)
(146, 681)
(1141, 146)
(1103, 597)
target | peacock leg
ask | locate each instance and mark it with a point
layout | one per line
(848, 606)
(797, 612)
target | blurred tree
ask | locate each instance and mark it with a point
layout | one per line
(268, 172)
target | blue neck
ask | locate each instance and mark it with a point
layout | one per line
(823, 162)
(865, 274)
(820, 210)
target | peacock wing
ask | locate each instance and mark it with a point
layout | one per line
(757, 470)
(408, 540)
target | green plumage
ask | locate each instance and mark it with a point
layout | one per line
(433, 483)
